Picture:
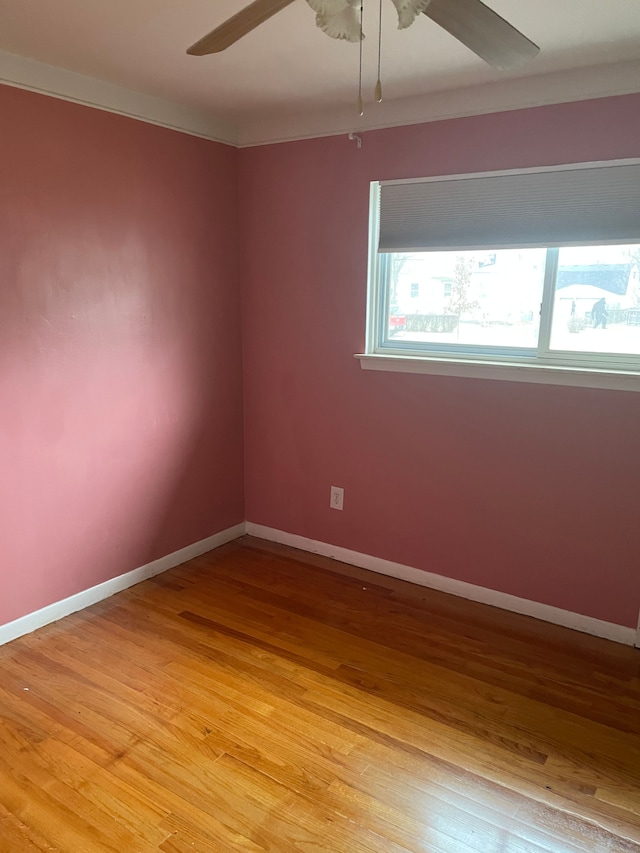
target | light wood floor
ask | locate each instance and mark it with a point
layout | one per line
(260, 699)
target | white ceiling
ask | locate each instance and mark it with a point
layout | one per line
(287, 68)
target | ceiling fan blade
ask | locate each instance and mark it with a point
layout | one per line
(239, 25)
(483, 31)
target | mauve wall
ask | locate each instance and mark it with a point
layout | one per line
(532, 490)
(120, 362)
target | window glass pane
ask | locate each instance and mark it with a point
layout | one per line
(480, 298)
(597, 300)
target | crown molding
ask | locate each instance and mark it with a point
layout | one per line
(577, 84)
(69, 86)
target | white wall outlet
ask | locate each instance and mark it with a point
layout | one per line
(337, 497)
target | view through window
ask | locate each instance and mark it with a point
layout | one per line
(597, 300)
(497, 302)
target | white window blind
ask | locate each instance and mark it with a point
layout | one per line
(555, 206)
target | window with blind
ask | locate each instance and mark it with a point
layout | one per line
(538, 267)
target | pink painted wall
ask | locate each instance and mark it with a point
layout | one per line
(120, 363)
(121, 427)
(528, 489)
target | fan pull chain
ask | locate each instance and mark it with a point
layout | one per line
(360, 104)
(378, 92)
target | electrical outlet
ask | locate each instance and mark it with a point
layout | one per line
(337, 497)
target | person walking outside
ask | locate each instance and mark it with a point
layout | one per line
(599, 314)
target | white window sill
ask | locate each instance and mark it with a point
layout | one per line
(583, 377)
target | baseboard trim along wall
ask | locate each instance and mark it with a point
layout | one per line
(544, 612)
(59, 609)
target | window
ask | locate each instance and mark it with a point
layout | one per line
(462, 271)
(464, 306)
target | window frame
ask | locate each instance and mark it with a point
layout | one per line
(540, 364)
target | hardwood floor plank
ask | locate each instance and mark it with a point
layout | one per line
(261, 700)
(209, 834)
(15, 837)
(59, 812)
(547, 683)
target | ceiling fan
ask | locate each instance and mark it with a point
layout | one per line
(473, 23)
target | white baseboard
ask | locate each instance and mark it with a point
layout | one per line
(544, 612)
(59, 609)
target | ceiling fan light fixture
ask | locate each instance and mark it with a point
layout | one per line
(471, 22)
(343, 25)
(408, 11)
(329, 7)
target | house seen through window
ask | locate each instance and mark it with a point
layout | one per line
(494, 300)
